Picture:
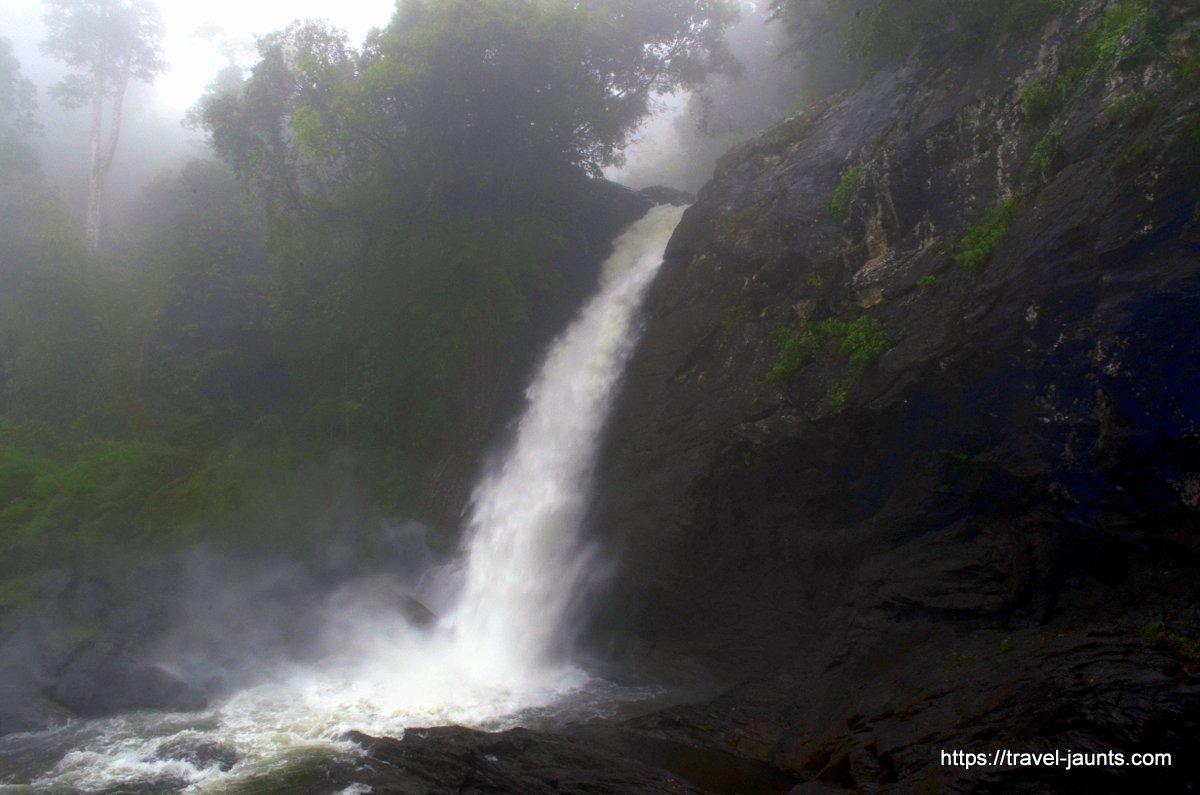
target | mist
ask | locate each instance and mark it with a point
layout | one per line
(199, 40)
(597, 391)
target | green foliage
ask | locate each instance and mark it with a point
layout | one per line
(1183, 646)
(1187, 69)
(419, 192)
(864, 341)
(1046, 151)
(838, 394)
(107, 505)
(168, 344)
(461, 99)
(838, 203)
(927, 282)
(107, 43)
(1040, 101)
(976, 245)
(346, 316)
(79, 508)
(1124, 33)
(17, 103)
(861, 341)
(797, 345)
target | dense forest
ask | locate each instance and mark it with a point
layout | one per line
(325, 311)
(321, 329)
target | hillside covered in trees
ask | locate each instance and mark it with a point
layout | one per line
(339, 308)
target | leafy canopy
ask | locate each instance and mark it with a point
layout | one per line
(106, 42)
(462, 99)
(17, 104)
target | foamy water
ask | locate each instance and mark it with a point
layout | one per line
(498, 657)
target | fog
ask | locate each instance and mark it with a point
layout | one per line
(680, 146)
(677, 146)
(199, 39)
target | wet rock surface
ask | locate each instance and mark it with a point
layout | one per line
(984, 534)
(100, 682)
(456, 760)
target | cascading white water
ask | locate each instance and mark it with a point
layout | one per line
(525, 566)
(498, 652)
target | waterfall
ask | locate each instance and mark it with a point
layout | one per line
(499, 652)
(526, 567)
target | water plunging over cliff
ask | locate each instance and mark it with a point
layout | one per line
(526, 568)
(499, 652)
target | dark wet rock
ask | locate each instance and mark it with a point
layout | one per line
(32, 650)
(462, 761)
(987, 536)
(417, 614)
(98, 682)
(155, 786)
(660, 194)
(199, 753)
(22, 709)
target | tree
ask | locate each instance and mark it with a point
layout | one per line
(491, 93)
(462, 101)
(17, 103)
(107, 43)
(421, 194)
(17, 162)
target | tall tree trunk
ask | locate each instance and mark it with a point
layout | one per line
(95, 176)
(103, 151)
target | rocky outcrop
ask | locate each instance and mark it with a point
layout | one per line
(910, 440)
(456, 760)
(104, 682)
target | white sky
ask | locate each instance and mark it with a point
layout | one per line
(201, 34)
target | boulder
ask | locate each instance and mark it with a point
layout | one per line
(98, 682)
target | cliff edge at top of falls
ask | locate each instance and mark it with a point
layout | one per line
(909, 446)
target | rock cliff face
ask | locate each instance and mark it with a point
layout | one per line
(910, 442)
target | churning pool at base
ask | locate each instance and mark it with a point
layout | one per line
(270, 733)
